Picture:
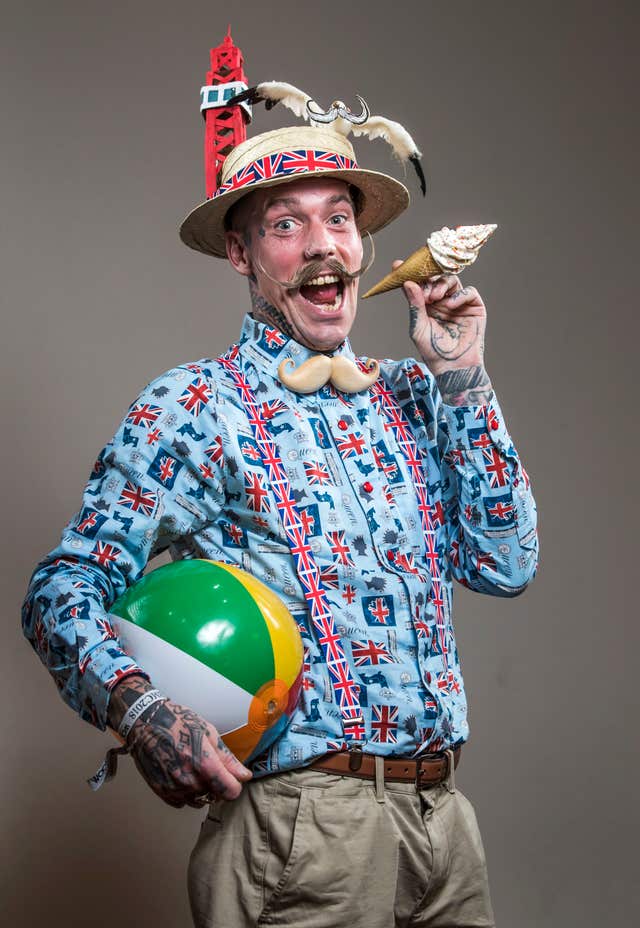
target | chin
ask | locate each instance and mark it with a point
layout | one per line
(324, 330)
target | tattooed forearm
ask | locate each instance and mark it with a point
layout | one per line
(466, 386)
(123, 697)
(262, 310)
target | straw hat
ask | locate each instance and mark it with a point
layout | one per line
(283, 156)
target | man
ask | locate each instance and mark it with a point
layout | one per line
(358, 506)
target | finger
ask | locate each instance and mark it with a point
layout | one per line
(442, 287)
(414, 294)
(214, 774)
(231, 762)
(220, 783)
(395, 264)
(461, 297)
(460, 304)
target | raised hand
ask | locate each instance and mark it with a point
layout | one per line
(447, 324)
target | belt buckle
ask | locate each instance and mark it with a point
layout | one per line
(447, 775)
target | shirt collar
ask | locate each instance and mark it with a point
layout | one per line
(266, 346)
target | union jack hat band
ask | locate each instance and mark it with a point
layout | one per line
(283, 156)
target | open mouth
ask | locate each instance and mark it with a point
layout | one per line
(325, 292)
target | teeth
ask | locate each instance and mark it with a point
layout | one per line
(331, 307)
(327, 279)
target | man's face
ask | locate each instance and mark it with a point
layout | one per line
(288, 228)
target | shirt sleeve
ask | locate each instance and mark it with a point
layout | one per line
(488, 509)
(489, 505)
(156, 481)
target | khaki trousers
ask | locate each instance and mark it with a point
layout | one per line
(317, 850)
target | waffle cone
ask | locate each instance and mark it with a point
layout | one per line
(419, 267)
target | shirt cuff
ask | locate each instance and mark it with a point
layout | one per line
(106, 665)
(474, 428)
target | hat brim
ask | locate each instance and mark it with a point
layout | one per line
(383, 199)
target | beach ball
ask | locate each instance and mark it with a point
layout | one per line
(215, 639)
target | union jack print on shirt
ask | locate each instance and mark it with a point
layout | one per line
(378, 610)
(144, 414)
(89, 522)
(165, 468)
(316, 473)
(273, 339)
(384, 724)
(196, 396)
(137, 498)
(233, 536)
(500, 511)
(352, 444)
(496, 467)
(310, 518)
(339, 548)
(214, 451)
(104, 553)
(369, 653)
(257, 493)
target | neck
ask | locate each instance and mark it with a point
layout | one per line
(263, 311)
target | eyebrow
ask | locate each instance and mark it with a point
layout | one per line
(281, 201)
(294, 201)
(341, 198)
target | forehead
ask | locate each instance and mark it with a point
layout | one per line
(307, 193)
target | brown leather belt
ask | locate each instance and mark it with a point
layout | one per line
(424, 771)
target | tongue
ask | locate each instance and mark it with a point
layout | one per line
(324, 293)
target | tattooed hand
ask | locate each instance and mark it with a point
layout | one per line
(179, 754)
(447, 324)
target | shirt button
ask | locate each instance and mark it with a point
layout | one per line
(367, 487)
(343, 425)
(495, 424)
(391, 555)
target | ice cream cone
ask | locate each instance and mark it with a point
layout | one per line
(448, 251)
(419, 266)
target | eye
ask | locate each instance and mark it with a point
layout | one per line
(338, 220)
(284, 225)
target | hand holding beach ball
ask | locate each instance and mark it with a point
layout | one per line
(215, 639)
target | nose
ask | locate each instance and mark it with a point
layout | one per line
(320, 242)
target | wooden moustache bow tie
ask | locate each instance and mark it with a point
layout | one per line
(321, 369)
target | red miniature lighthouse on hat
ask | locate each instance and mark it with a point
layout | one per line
(225, 126)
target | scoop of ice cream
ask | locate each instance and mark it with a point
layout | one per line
(455, 249)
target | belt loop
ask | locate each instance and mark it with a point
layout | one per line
(379, 769)
(450, 779)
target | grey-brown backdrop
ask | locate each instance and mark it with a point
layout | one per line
(525, 114)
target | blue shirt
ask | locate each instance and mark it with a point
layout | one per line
(183, 473)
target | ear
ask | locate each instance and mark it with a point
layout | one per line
(238, 253)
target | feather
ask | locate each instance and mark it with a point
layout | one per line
(279, 92)
(392, 132)
(415, 161)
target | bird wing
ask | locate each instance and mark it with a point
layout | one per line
(392, 132)
(278, 92)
